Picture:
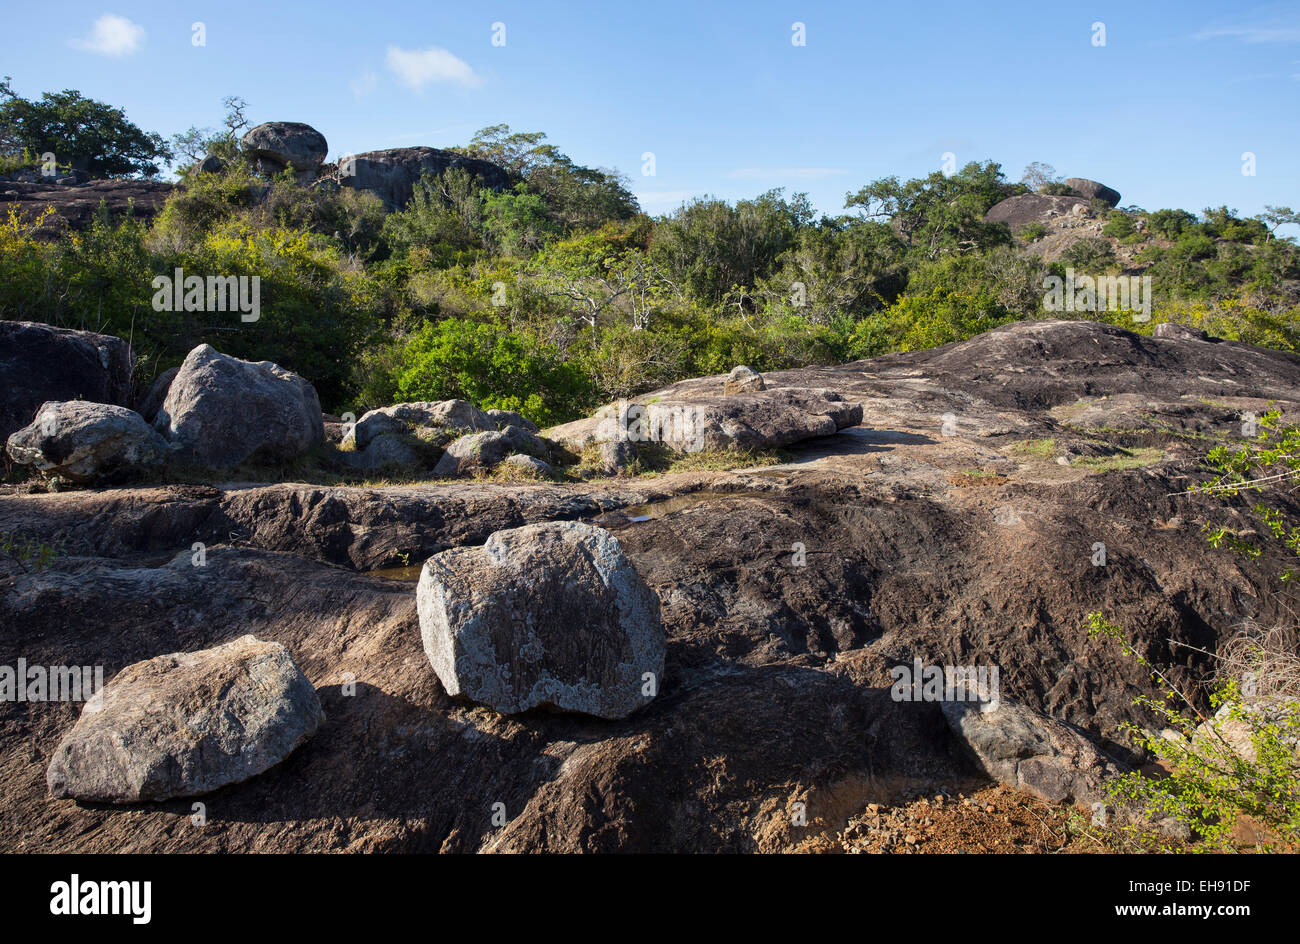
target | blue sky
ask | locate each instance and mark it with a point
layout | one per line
(720, 94)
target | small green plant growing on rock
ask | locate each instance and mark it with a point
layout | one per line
(1244, 761)
(1214, 779)
(29, 553)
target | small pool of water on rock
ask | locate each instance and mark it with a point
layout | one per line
(411, 573)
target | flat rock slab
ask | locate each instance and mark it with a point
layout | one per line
(186, 724)
(547, 615)
(692, 422)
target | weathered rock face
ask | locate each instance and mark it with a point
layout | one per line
(499, 623)
(485, 450)
(386, 451)
(694, 421)
(1175, 332)
(617, 456)
(75, 207)
(1027, 208)
(504, 418)
(1091, 190)
(528, 464)
(776, 685)
(221, 411)
(743, 380)
(274, 145)
(186, 724)
(87, 442)
(392, 174)
(152, 401)
(1028, 751)
(446, 416)
(40, 363)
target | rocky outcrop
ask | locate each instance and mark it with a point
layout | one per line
(274, 145)
(392, 174)
(1031, 752)
(743, 380)
(695, 421)
(504, 418)
(1091, 190)
(75, 206)
(436, 419)
(153, 399)
(221, 411)
(186, 724)
(87, 442)
(1018, 212)
(498, 622)
(41, 363)
(480, 451)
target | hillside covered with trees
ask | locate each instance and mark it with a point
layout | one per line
(557, 293)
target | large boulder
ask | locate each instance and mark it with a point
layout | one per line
(479, 451)
(87, 442)
(221, 411)
(1017, 212)
(392, 174)
(547, 615)
(690, 421)
(1027, 751)
(445, 415)
(275, 145)
(1091, 190)
(186, 724)
(40, 363)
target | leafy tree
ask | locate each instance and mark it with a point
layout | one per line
(81, 131)
(492, 367)
(940, 213)
(1038, 175)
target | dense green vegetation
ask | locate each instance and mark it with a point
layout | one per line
(558, 294)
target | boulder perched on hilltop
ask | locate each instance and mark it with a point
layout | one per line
(87, 442)
(41, 363)
(186, 724)
(1091, 190)
(392, 174)
(221, 411)
(547, 615)
(274, 145)
(447, 416)
(1017, 212)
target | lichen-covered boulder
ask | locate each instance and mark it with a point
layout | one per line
(221, 411)
(87, 442)
(186, 724)
(547, 615)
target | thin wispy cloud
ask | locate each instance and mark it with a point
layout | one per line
(786, 173)
(112, 35)
(364, 84)
(1253, 34)
(417, 68)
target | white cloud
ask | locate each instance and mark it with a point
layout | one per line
(112, 35)
(786, 173)
(364, 84)
(418, 67)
